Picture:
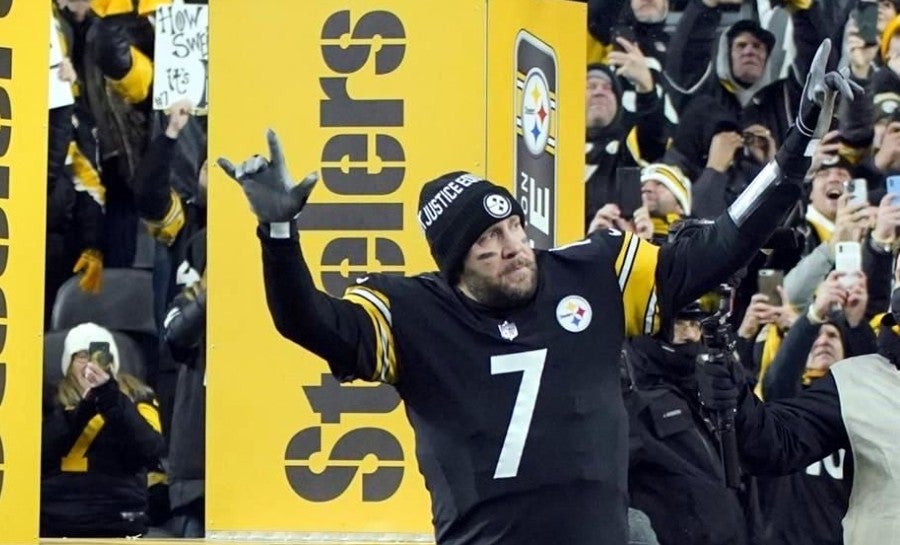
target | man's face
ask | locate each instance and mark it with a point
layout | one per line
(658, 199)
(827, 188)
(748, 58)
(499, 270)
(827, 349)
(886, 12)
(650, 11)
(686, 331)
(601, 102)
(79, 8)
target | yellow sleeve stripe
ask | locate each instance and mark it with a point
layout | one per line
(86, 177)
(155, 477)
(150, 414)
(625, 259)
(636, 273)
(135, 86)
(634, 147)
(166, 229)
(376, 306)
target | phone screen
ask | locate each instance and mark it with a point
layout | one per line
(767, 284)
(622, 31)
(892, 185)
(858, 188)
(628, 190)
(848, 260)
(867, 21)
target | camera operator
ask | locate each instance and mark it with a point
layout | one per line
(674, 445)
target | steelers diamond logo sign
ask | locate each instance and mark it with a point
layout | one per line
(536, 111)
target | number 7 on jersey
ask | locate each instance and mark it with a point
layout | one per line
(531, 364)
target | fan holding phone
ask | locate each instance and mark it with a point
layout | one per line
(887, 221)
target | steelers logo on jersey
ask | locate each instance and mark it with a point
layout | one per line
(497, 205)
(574, 313)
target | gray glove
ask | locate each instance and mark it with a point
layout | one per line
(820, 91)
(272, 193)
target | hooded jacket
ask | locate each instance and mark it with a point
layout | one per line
(699, 63)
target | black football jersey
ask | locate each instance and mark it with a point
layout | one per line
(519, 406)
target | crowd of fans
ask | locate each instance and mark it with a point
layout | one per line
(683, 148)
(126, 189)
(686, 102)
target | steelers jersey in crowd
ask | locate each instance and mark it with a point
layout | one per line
(95, 460)
(515, 410)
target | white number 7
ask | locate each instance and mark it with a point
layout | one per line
(531, 364)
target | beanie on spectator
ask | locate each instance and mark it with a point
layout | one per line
(80, 338)
(886, 105)
(454, 210)
(673, 179)
(754, 28)
(890, 30)
(600, 70)
(835, 161)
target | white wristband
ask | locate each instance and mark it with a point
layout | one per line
(280, 229)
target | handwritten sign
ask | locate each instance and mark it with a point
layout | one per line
(181, 56)
(60, 91)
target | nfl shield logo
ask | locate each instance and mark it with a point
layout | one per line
(508, 331)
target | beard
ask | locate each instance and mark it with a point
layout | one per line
(513, 287)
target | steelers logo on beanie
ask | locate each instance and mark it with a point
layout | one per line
(454, 210)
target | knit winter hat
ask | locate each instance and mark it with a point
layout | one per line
(890, 29)
(81, 337)
(454, 210)
(673, 179)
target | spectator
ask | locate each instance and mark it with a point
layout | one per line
(184, 328)
(170, 192)
(673, 445)
(75, 196)
(101, 435)
(733, 80)
(666, 199)
(114, 48)
(611, 123)
(644, 19)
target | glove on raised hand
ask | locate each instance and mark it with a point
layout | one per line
(718, 391)
(272, 193)
(114, 53)
(91, 264)
(819, 93)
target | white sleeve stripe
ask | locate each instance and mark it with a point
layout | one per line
(171, 316)
(628, 263)
(376, 302)
(650, 312)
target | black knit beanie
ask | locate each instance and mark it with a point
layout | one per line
(454, 210)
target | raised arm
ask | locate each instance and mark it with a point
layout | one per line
(340, 331)
(781, 437)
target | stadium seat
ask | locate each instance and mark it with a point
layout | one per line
(124, 304)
